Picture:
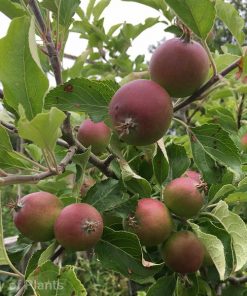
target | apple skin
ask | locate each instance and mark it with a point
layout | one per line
(94, 134)
(180, 67)
(151, 222)
(182, 197)
(37, 214)
(141, 112)
(193, 175)
(78, 227)
(183, 252)
(244, 142)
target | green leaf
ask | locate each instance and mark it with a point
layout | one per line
(49, 279)
(222, 193)
(215, 248)
(99, 8)
(178, 159)
(4, 259)
(218, 145)
(224, 118)
(47, 253)
(106, 195)
(75, 70)
(230, 16)
(44, 129)
(205, 163)
(8, 157)
(11, 9)
(83, 95)
(121, 251)
(22, 77)
(160, 163)
(164, 286)
(62, 9)
(133, 31)
(134, 182)
(192, 13)
(90, 7)
(237, 229)
(212, 226)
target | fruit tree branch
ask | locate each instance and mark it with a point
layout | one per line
(207, 85)
(237, 280)
(19, 179)
(50, 46)
(240, 110)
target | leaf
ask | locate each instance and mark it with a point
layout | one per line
(47, 253)
(8, 157)
(224, 118)
(83, 95)
(75, 70)
(17, 74)
(4, 259)
(222, 193)
(178, 159)
(164, 286)
(63, 8)
(49, 279)
(106, 195)
(134, 182)
(206, 165)
(99, 8)
(160, 163)
(237, 229)
(214, 247)
(121, 251)
(44, 129)
(11, 9)
(212, 226)
(230, 16)
(133, 31)
(192, 13)
(218, 145)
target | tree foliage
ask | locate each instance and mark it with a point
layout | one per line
(39, 149)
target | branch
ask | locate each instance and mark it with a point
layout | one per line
(50, 46)
(19, 179)
(1, 94)
(58, 252)
(207, 85)
(240, 110)
(94, 160)
(10, 127)
(237, 280)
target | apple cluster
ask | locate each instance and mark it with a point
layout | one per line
(40, 216)
(152, 222)
(141, 110)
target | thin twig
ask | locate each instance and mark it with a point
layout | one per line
(19, 179)
(240, 110)
(1, 94)
(57, 253)
(47, 38)
(237, 280)
(207, 85)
